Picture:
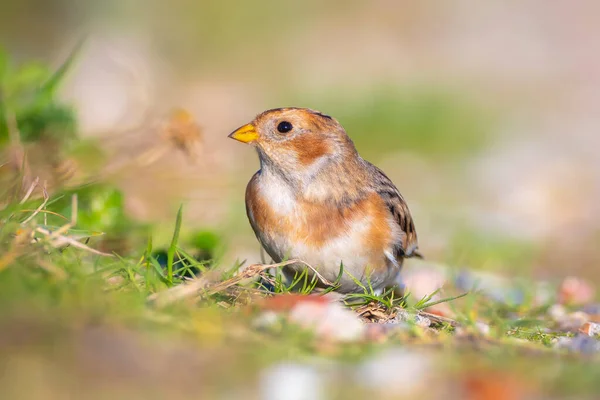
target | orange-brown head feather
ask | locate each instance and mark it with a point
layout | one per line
(309, 141)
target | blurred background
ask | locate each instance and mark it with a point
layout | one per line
(484, 113)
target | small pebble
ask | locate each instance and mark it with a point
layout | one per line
(380, 332)
(586, 345)
(573, 321)
(580, 344)
(376, 332)
(557, 312)
(405, 316)
(592, 309)
(328, 321)
(482, 328)
(401, 315)
(266, 320)
(590, 329)
(396, 372)
(291, 382)
(422, 322)
(576, 291)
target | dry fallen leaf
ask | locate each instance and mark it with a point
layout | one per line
(182, 131)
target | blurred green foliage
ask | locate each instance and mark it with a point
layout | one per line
(100, 208)
(492, 252)
(206, 241)
(28, 94)
(431, 122)
(248, 33)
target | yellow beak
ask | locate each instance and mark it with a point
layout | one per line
(245, 134)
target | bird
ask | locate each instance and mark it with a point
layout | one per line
(316, 200)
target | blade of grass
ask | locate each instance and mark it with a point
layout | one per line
(148, 252)
(50, 86)
(448, 299)
(173, 246)
(159, 271)
(192, 261)
(419, 304)
(336, 283)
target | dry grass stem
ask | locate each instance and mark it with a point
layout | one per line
(61, 241)
(203, 287)
(30, 190)
(438, 319)
(40, 208)
(65, 228)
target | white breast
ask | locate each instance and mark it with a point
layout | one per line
(347, 247)
(344, 248)
(277, 193)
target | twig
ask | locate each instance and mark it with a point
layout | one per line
(439, 319)
(194, 286)
(46, 212)
(46, 196)
(321, 277)
(255, 269)
(40, 208)
(60, 240)
(250, 272)
(30, 190)
(63, 229)
(179, 292)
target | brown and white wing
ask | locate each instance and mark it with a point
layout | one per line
(407, 245)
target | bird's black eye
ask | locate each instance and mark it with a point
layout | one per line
(284, 127)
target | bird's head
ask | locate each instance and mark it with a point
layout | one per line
(296, 141)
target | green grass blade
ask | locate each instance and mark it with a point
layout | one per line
(358, 283)
(148, 252)
(448, 299)
(159, 271)
(202, 266)
(420, 304)
(173, 247)
(49, 87)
